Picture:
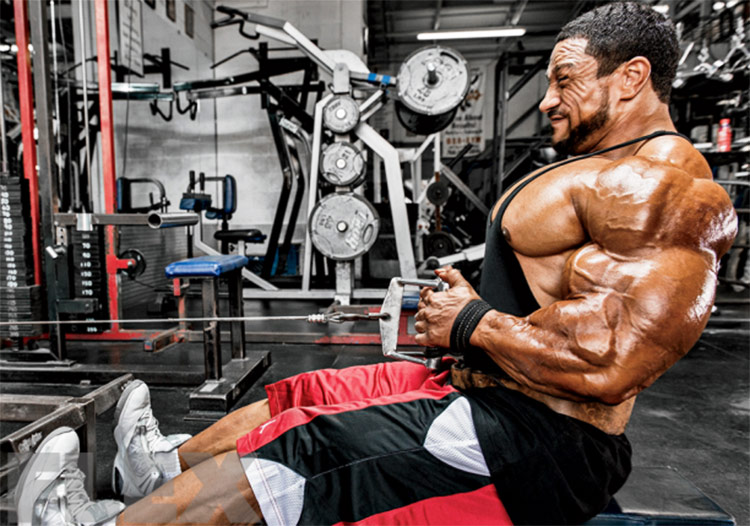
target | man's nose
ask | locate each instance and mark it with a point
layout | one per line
(551, 100)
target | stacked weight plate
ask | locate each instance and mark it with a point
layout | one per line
(20, 299)
(89, 278)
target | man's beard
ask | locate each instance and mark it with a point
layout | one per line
(578, 135)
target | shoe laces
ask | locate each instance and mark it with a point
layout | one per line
(150, 426)
(75, 493)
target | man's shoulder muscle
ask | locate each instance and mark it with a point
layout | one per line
(643, 202)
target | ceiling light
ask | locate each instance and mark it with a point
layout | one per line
(661, 8)
(489, 32)
(718, 6)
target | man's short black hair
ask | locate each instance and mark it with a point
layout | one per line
(618, 32)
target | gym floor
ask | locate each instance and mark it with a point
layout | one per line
(696, 418)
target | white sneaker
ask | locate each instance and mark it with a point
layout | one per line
(50, 490)
(145, 459)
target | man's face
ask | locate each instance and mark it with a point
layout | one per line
(576, 102)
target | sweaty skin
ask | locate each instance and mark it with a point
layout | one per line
(621, 251)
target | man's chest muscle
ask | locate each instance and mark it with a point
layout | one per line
(541, 220)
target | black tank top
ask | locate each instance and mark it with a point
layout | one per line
(503, 284)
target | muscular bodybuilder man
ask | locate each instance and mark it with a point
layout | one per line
(600, 273)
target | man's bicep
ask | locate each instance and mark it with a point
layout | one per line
(622, 323)
(648, 305)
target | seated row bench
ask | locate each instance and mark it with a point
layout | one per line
(661, 496)
(224, 383)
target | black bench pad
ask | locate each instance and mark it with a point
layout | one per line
(656, 496)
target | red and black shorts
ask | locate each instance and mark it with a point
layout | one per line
(391, 443)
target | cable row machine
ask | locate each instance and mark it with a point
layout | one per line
(341, 224)
(75, 251)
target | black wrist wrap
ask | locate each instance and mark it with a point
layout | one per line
(466, 321)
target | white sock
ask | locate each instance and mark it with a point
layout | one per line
(169, 462)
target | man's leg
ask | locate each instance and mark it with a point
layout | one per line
(353, 384)
(215, 491)
(222, 436)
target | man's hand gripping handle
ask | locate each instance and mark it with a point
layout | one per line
(389, 323)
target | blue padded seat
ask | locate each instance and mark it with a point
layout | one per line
(205, 266)
(660, 496)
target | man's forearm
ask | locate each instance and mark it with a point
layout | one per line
(572, 352)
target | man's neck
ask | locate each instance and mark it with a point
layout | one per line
(635, 120)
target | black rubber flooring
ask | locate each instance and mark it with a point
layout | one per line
(696, 418)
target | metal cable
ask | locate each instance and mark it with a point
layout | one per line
(332, 317)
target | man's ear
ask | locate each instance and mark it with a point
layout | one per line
(634, 75)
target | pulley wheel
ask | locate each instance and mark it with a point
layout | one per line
(423, 124)
(342, 164)
(341, 114)
(133, 271)
(433, 80)
(438, 193)
(343, 226)
(439, 244)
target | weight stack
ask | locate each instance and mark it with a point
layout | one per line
(90, 279)
(20, 299)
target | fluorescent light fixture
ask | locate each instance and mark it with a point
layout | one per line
(661, 8)
(488, 32)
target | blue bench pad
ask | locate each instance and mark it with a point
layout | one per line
(205, 266)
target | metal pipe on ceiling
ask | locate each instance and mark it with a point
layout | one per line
(436, 22)
(417, 14)
(514, 15)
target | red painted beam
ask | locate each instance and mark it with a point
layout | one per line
(26, 98)
(109, 173)
(105, 106)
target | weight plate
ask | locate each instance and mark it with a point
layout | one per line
(439, 244)
(18, 331)
(24, 306)
(36, 316)
(5, 268)
(88, 283)
(19, 259)
(16, 264)
(438, 193)
(20, 315)
(89, 274)
(86, 254)
(343, 164)
(12, 236)
(344, 226)
(21, 310)
(341, 114)
(15, 216)
(18, 245)
(16, 256)
(423, 124)
(433, 80)
(13, 223)
(14, 282)
(16, 294)
(79, 235)
(88, 265)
